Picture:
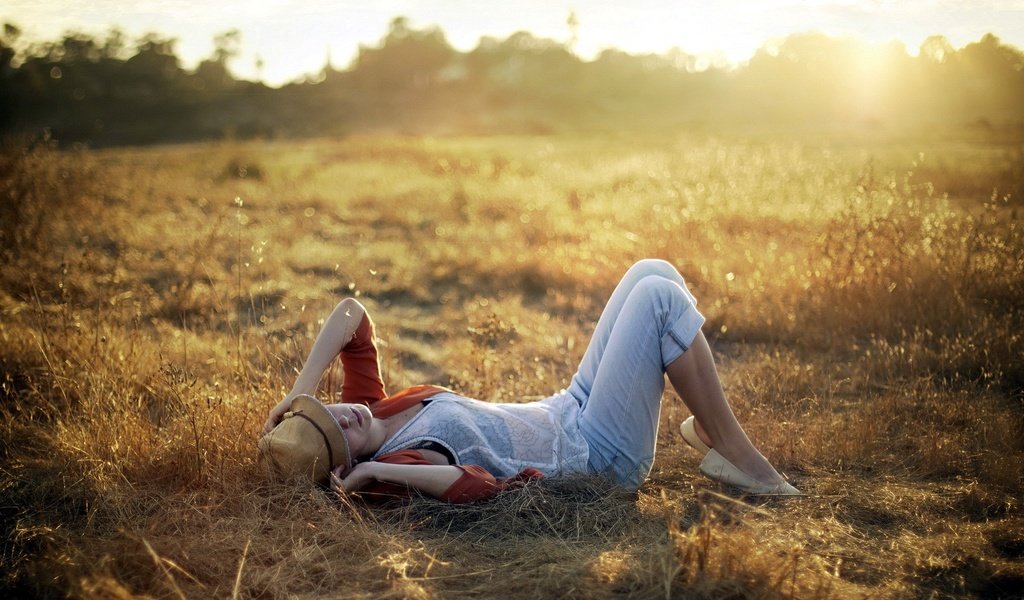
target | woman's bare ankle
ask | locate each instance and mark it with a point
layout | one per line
(703, 435)
(751, 462)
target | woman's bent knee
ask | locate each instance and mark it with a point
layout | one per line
(655, 266)
(660, 290)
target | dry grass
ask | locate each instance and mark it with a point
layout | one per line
(864, 297)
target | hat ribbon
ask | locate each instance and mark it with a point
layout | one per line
(330, 451)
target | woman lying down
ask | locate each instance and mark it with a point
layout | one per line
(432, 440)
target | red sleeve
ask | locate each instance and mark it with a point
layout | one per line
(474, 485)
(363, 383)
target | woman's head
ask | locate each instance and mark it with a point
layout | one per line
(356, 421)
(307, 443)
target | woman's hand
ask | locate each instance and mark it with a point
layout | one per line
(277, 412)
(357, 479)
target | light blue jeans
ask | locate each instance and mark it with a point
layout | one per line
(649, 321)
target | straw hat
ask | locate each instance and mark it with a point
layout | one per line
(306, 444)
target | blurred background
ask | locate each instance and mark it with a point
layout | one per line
(109, 74)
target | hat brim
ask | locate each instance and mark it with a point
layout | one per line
(307, 443)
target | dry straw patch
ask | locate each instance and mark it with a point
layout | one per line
(864, 298)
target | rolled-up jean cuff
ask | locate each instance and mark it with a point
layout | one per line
(680, 335)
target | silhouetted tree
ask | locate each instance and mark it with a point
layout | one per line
(115, 90)
(9, 97)
(406, 60)
(212, 74)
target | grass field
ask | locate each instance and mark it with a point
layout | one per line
(863, 296)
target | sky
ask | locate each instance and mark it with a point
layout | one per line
(293, 38)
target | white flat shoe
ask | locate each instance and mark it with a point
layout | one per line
(690, 436)
(718, 468)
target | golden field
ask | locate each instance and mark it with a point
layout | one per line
(863, 296)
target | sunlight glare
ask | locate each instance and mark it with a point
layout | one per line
(871, 70)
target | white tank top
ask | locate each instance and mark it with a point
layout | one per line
(502, 438)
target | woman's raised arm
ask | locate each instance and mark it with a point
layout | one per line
(339, 328)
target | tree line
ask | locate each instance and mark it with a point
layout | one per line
(112, 90)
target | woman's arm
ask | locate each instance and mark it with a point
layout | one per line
(433, 480)
(339, 328)
(465, 483)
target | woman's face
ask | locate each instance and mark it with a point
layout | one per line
(354, 420)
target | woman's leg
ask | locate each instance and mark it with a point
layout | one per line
(583, 380)
(695, 379)
(624, 374)
(645, 330)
